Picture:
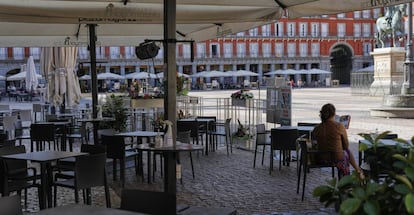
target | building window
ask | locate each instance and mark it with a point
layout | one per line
(367, 49)
(291, 49)
(324, 29)
(18, 53)
(241, 50)
(366, 14)
(357, 30)
(201, 50)
(376, 12)
(303, 49)
(228, 50)
(279, 29)
(341, 29)
(215, 51)
(35, 52)
(83, 53)
(266, 30)
(366, 29)
(3, 53)
(279, 49)
(240, 34)
(114, 52)
(357, 14)
(303, 29)
(341, 15)
(315, 29)
(254, 49)
(129, 52)
(100, 52)
(266, 50)
(186, 50)
(315, 49)
(253, 32)
(291, 29)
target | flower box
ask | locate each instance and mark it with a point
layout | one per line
(241, 102)
(147, 103)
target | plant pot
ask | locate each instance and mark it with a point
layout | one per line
(241, 102)
(147, 103)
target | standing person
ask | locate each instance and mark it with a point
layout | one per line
(332, 136)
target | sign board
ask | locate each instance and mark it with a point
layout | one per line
(279, 106)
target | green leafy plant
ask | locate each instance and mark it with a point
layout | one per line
(114, 107)
(392, 193)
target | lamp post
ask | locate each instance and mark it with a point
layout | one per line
(408, 85)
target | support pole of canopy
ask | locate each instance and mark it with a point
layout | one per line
(170, 97)
(94, 78)
(408, 85)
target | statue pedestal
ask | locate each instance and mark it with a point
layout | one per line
(388, 71)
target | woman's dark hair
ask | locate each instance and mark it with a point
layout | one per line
(327, 111)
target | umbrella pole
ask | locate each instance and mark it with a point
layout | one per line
(92, 52)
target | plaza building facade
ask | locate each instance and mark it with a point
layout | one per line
(337, 43)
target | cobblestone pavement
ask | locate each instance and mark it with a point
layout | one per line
(231, 181)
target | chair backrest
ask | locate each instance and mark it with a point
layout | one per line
(37, 108)
(90, 170)
(227, 128)
(107, 131)
(261, 134)
(192, 126)
(11, 165)
(8, 125)
(26, 115)
(42, 132)
(11, 205)
(115, 146)
(18, 128)
(212, 126)
(50, 117)
(149, 202)
(311, 158)
(184, 136)
(93, 149)
(284, 138)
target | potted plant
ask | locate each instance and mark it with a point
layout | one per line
(114, 107)
(393, 193)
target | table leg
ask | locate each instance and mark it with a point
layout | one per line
(46, 195)
(149, 163)
(170, 179)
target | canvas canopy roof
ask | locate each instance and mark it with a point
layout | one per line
(42, 23)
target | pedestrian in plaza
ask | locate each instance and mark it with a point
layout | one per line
(331, 135)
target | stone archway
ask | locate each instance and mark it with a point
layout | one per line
(341, 63)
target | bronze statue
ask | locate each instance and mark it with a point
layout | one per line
(391, 23)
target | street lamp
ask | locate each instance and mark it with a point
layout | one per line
(408, 85)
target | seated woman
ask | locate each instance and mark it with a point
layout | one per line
(331, 136)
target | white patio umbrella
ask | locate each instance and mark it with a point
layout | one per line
(20, 77)
(2, 78)
(275, 72)
(63, 84)
(240, 73)
(109, 76)
(318, 71)
(85, 77)
(31, 79)
(140, 75)
(179, 74)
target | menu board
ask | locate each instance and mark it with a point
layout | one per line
(279, 105)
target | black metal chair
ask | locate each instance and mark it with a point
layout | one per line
(40, 134)
(309, 159)
(284, 140)
(19, 132)
(89, 171)
(185, 137)
(261, 140)
(115, 149)
(16, 175)
(148, 202)
(226, 133)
